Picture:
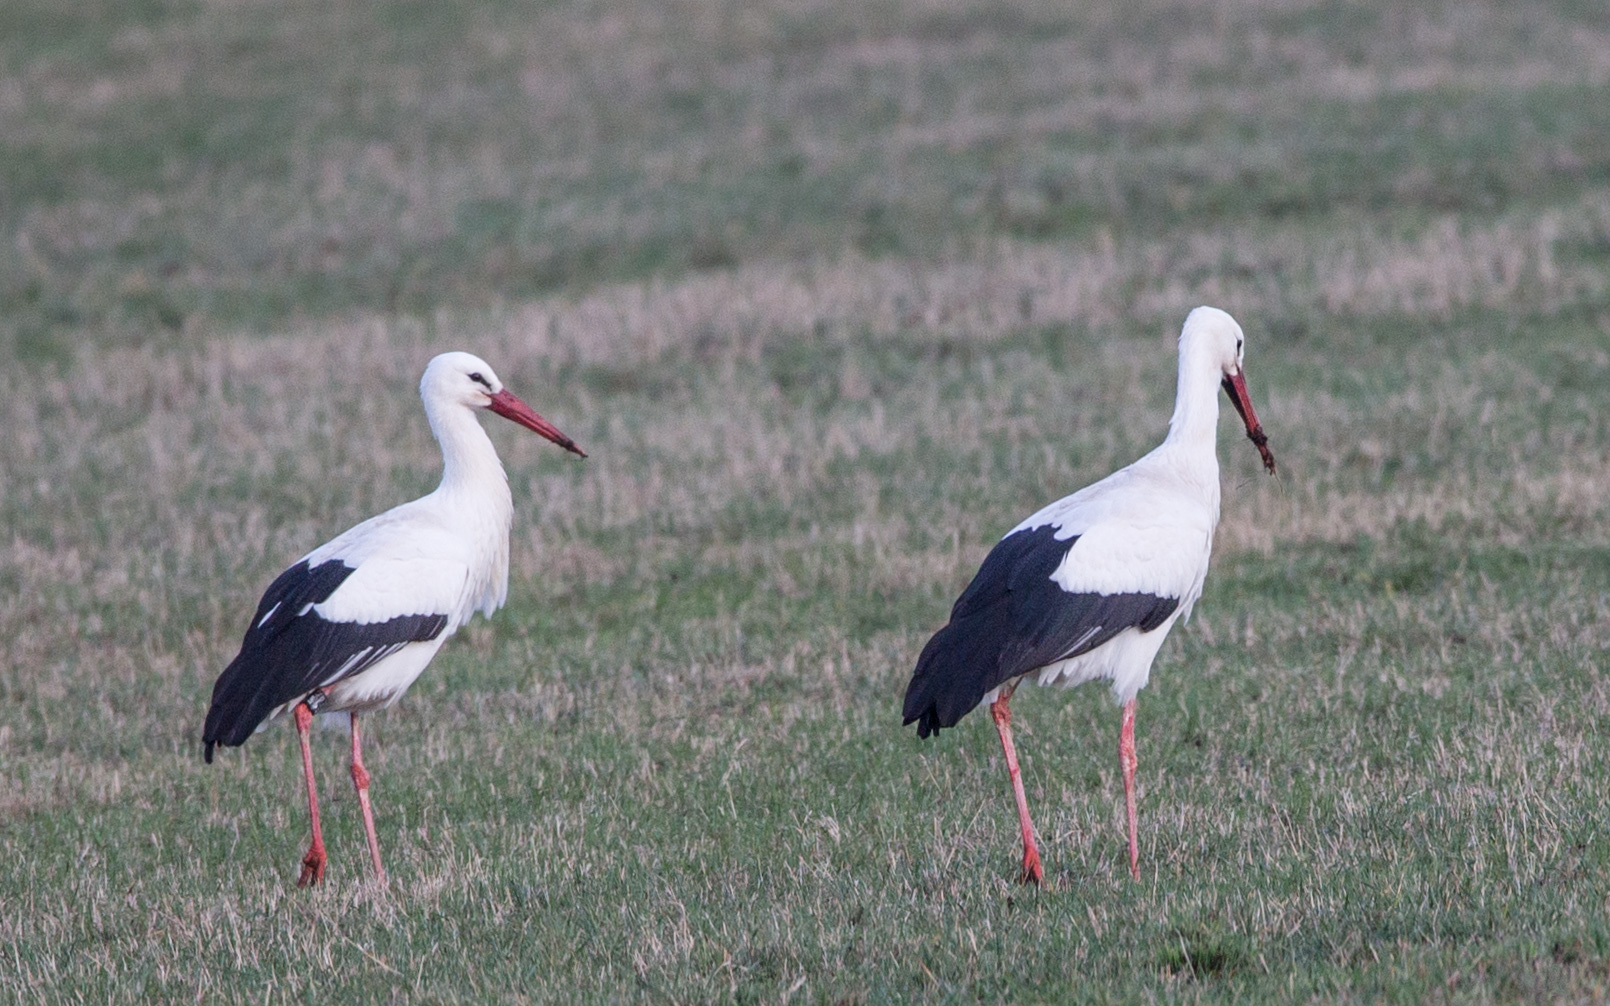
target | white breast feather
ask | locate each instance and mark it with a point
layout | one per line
(1140, 530)
(407, 562)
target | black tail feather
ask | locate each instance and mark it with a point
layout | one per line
(290, 649)
(953, 674)
(1014, 619)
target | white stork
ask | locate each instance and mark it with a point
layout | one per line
(351, 625)
(1088, 587)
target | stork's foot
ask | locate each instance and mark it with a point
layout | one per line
(1032, 874)
(313, 867)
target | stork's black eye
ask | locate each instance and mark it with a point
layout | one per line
(1238, 345)
(483, 382)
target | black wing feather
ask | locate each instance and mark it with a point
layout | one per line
(289, 651)
(1012, 619)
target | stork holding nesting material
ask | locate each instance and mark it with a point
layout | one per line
(1088, 588)
(351, 625)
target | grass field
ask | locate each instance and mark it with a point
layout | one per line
(833, 295)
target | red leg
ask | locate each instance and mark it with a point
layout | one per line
(1032, 874)
(360, 779)
(313, 862)
(1129, 761)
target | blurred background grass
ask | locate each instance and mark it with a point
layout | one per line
(173, 167)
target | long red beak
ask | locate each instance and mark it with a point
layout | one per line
(505, 404)
(1236, 387)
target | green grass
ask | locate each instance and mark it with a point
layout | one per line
(833, 297)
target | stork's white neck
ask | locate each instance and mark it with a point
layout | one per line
(474, 498)
(470, 463)
(1193, 429)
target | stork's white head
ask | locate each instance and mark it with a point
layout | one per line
(1212, 336)
(1212, 333)
(466, 380)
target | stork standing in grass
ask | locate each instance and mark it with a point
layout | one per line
(1088, 588)
(351, 625)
